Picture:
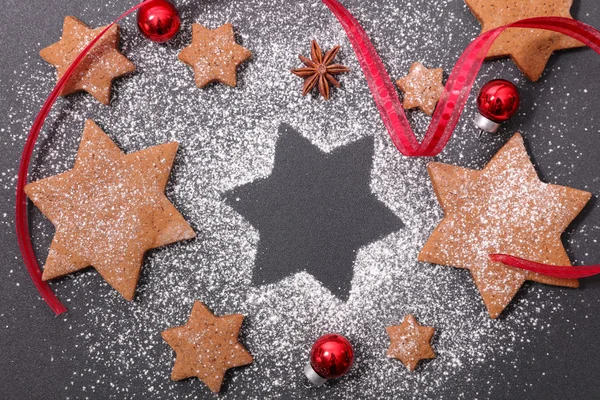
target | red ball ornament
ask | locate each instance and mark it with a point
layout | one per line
(158, 20)
(331, 357)
(498, 100)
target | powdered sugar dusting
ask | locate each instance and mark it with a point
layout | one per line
(227, 138)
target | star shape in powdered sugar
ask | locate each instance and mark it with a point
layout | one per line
(410, 342)
(214, 55)
(506, 209)
(109, 210)
(100, 66)
(422, 88)
(207, 346)
(314, 212)
(530, 49)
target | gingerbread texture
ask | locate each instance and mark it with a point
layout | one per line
(530, 49)
(109, 210)
(504, 208)
(100, 66)
(410, 342)
(422, 88)
(214, 55)
(207, 346)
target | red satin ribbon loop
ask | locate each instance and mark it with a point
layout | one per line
(440, 130)
(453, 100)
(21, 222)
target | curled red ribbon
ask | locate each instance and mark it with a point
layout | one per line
(21, 222)
(452, 102)
(459, 83)
(440, 130)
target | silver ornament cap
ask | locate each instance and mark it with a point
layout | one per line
(486, 124)
(312, 375)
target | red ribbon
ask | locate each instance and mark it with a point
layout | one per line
(440, 130)
(545, 269)
(452, 102)
(22, 223)
(458, 86)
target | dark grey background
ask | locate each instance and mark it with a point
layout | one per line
(36, 349)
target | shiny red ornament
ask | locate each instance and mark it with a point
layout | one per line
(498, 100)
(331, 357)
(158, 20)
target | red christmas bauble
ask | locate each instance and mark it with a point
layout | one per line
(158, 20)
(331, 357)
(498, 100)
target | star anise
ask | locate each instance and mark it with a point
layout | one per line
(320, 71)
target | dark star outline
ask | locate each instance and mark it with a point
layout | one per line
(314, 212)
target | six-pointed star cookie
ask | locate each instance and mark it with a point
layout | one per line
(314, 212)
(99, 68)
(109, 210)
(422, 88)
(207, 346)
(506, 209)
(214, 55)
(530, 49)
(410, 342)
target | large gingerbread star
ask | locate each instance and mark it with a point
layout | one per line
(109, 210)
(530, 49)
(506, 209)
(99, 68)
(214, 55)
(207, 346)
(410, 342)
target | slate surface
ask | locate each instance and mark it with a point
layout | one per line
(568, 359)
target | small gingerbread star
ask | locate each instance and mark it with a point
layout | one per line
(530, 49)
(207, 346)
(506, 209)
(422, 88)
(99, 68)
(109, 210)
(214, 55)
(410, 342)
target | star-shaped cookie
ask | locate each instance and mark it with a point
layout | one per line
(99, 68)
(214, 55)
(504, 208)
(422, 87)
(207, 346)
(109, 210)
(410, 342)
(530, 49)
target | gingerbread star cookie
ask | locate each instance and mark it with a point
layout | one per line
(422, 88)
(214, 55)
(506, 209)
(207, 346)
(530, 49)
(410, 342)
(109, 210)
(99, 68)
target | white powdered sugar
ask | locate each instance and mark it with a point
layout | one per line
(227, 138)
